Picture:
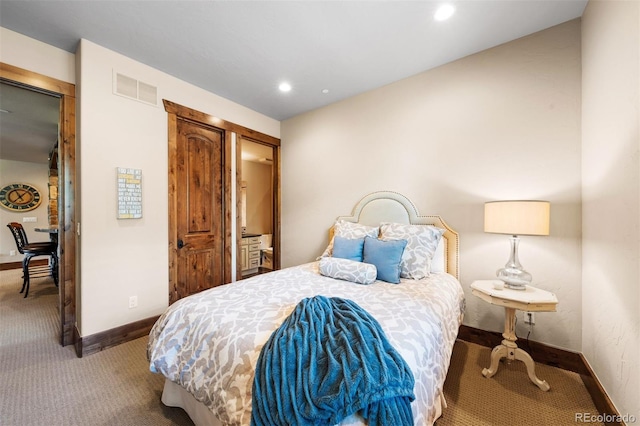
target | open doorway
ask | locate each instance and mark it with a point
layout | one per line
(257, 208)
(259, 215)
(64, 95)
(29, 182)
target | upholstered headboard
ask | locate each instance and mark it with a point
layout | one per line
(388, 206)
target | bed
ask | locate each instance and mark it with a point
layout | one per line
(207, 345)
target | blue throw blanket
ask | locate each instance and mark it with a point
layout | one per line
(328, 360)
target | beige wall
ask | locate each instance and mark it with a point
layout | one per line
(501, 124)
(259, 181)
(33, 55)
(611, 198)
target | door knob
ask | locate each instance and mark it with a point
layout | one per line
(180, 244)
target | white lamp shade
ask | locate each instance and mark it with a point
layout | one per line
(521, 217)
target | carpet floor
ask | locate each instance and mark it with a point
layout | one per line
(46, 384)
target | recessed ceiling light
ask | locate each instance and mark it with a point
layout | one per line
(444, 12)
(325, 91)
(284, 87)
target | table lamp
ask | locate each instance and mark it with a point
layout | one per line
(519, 217)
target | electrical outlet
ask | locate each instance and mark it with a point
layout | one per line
(12, 252)
(29, 219)
(529, 318)
(133, 302)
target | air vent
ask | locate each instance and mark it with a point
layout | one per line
(147, 93)
(126, 86)
(133, 89)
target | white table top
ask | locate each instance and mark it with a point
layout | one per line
(529, 295)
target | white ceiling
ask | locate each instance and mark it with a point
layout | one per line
(29, 127)
(242, 50)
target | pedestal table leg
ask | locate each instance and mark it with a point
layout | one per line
(510, 350)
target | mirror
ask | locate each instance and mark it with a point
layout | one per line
(257, 207)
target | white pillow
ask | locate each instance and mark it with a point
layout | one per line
(349, 270)
(422, 241)
(350, 230)
(438, 263)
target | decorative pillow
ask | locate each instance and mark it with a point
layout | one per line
(349, 270)
(346, 248)
(386, 256)
(351, 230)
(422, 241)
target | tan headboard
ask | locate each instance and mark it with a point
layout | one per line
(388, 206)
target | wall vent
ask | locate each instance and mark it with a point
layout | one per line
(133, 89)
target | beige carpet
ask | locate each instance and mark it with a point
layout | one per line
(509, 397)
(43, 383)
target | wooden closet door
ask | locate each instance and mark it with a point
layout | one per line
(199, 198)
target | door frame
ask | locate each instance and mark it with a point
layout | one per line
(232, 131)
(275, 186)
(67, 240)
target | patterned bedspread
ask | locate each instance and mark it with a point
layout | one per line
(209, 343)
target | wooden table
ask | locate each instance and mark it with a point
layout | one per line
(531, 300)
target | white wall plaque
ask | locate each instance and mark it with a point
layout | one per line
(129, 183)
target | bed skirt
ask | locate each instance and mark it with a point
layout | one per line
(175, 396)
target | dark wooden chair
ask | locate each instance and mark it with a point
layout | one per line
(31, 250)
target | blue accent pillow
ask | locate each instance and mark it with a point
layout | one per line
(346, 248)
(386, 256)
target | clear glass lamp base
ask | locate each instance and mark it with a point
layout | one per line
(513, 275)
(516, 279)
